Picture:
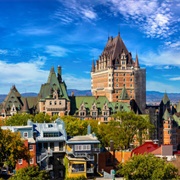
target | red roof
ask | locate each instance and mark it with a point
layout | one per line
(147, 147)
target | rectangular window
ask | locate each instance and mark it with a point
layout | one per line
(25, 134)
(30, 147)
(51, 134)
(31, 161)
(20, 161)
(77, 167)
(85, 147)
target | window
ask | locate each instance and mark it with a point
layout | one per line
(20, 161)
(77, 167)
(93, 113)
(31, 161)
(50, 125)
(50, 103)
(25, 134)
(84, 147)
(30, 147)
(59, 102)
(54, 102)
(51, 134)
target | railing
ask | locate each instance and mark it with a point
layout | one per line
(49, 167)
(44, 154)
(96, 149)
(90, 170)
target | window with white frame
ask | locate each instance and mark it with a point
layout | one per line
(84, 147)
(20, 161)
(31, 161)
(25, 134)
(30, 147)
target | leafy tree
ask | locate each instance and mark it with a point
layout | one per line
(31, 173)
(126, 127)
(147, 166)
(12, 148)
(18, 119)
(41, 118)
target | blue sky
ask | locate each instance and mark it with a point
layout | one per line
(38, 34)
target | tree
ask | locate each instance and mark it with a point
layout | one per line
(31, 173)
(126, 126)
(18, 119)
(41, 118)
(147, 166)
(12, 148)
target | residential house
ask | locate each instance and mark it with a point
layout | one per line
(82, 153)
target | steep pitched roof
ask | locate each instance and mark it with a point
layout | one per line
(53, 83)
(166, 115)
(178, 107)
(124, 94)
(25, 107)
(114, 48)
(165, 98)
(137, 62)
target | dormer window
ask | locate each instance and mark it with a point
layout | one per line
(50, 125)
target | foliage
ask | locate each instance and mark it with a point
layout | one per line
(75, 126)
(18, 119)
(41, 118)
(12, 148)
(147, 166)
(31, 173)
(77, 178)
(126, 127)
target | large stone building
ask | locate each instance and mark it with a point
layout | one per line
(117, 76)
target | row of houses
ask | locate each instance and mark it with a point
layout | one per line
(49, 147)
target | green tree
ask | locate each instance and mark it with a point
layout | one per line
(147, 166)
(31, 173)
(18, 119)
(41, 118)
(126, 126)
(12, 148)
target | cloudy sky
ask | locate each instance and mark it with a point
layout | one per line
(38, 34)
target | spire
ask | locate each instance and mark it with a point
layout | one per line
(93, 66)
(124, 94)
(166, 115)
(137, 62)
(50, 74)
(165, 98)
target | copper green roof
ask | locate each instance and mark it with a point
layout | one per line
(166, 115)
(53, 84)
(178, 107)
(88, 101)
(177, 119)
(165, 98)
(124, 94)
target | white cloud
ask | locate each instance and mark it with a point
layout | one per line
(73, 82)
(56, 51)
(3, 51)
(152, 17)
(175, 78)
(34, 31)
(165, 58)
(73, 10)
(161, 87)
(27, 76)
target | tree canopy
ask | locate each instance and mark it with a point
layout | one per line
(31, 173)
(12, 148)
(147, 166)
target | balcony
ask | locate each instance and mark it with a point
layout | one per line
(90, 170)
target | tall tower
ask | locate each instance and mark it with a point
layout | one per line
(115, 71)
